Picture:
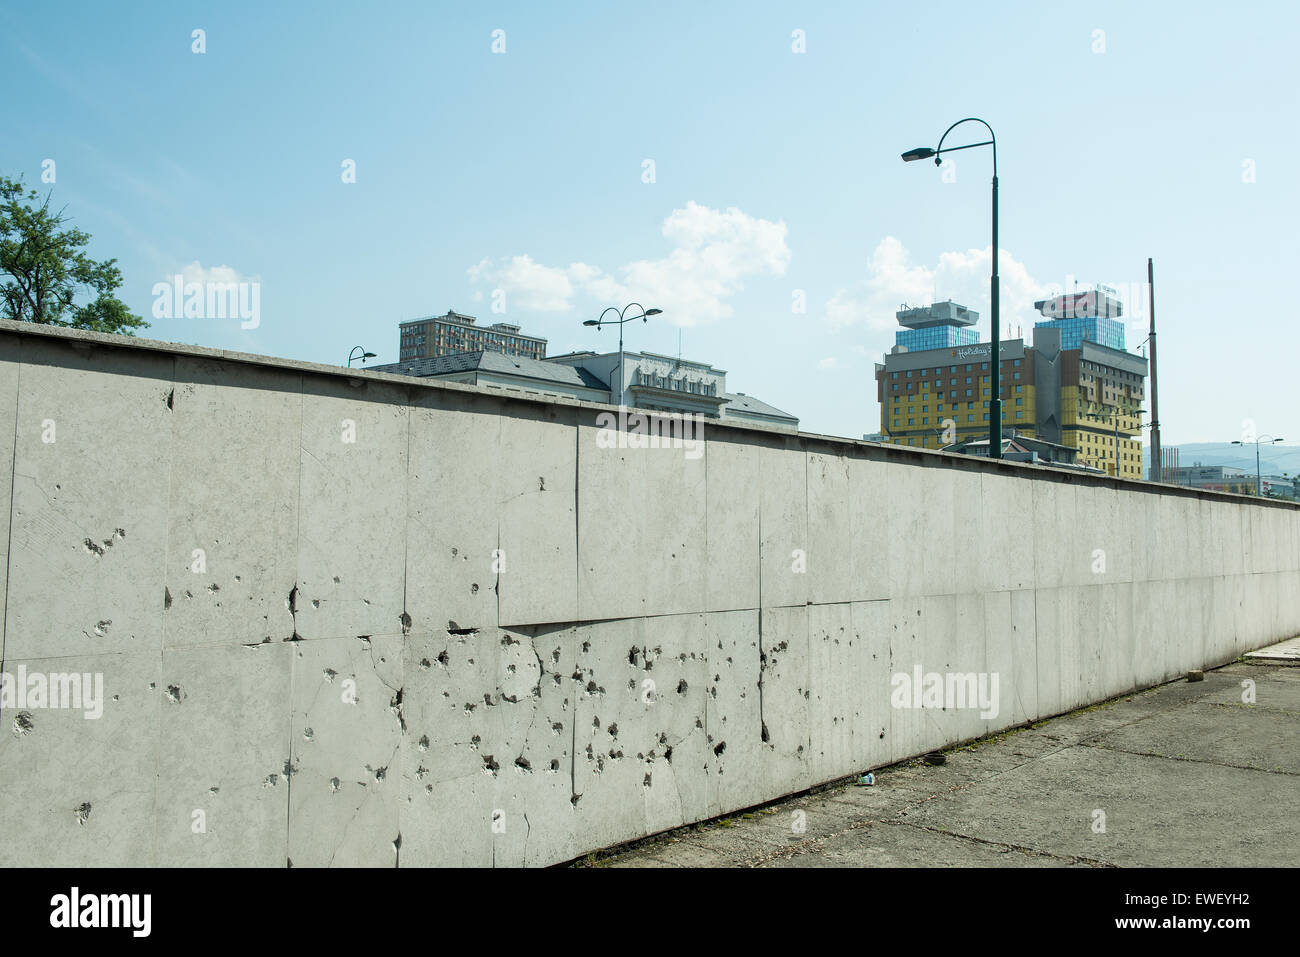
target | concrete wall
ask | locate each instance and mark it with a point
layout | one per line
(307, 649)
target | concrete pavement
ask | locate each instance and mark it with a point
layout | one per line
(1187, 774)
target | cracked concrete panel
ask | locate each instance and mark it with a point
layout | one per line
(846, 693)
(783, 481)
(78, 790)
(738, 770)
(486, 750)
(642, 744)
(352, 518)
(640, 554)
(868, 532)
(9, 374)
(786, 684)
(537, 470)
(1010, 640)
(731, 525)
(232, 541)
(904, 521)
(225, 750)
(830, 528)
(453, 525)
(985, 534)
(89, 504)
(347, 782)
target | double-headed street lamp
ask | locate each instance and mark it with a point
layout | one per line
(1259, 485)
(924, 152)
(644, 315)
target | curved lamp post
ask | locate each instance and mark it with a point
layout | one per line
(644, 315)
(924, 152)
(1259, 484)
(364, 355)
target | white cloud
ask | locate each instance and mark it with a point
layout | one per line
(194, 272)
(713, 252)
(830, 362)
(894, 280)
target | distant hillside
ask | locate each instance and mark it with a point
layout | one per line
(1273, 460)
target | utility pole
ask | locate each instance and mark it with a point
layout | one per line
(1157, 466)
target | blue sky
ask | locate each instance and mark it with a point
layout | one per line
(775, 172)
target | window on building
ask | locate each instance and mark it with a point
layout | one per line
(1016, 363)
(911, 421)
(1018, 401)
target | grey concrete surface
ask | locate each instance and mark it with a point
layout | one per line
(350, 618)
(1186, 775)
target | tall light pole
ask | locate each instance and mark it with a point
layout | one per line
(363, 357)
(1259, 485)
(924, 152)
(644, 315)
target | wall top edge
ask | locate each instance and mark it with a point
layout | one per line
(807, 440)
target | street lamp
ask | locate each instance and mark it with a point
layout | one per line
(644, 315)
(924, 152)
(363, 357)
(1259, 485)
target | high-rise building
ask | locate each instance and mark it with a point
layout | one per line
(941, 325)
(1087, 398)
(1092, 316)
(435, 336)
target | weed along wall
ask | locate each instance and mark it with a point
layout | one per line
(353, 619)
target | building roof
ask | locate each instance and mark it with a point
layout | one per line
(738, 401)
(498, 363)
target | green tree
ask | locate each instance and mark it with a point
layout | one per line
(44, 269)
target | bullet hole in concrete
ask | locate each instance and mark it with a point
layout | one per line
(586, 647)
(613, 730)
(421, 772)
(83, 813)
(575, 799)
(23, 724)
(487, 700)
(631, 683)
(425, 664)
(555, 656)
(470, 706)
(334, 785)
(237, 578)
(714, 691)
(101, 627)
(646, 782)
(271, 781)
(213, 588)
(590, 753)
(595, 721)
(764, 735)
(631, 656)
(455, 629)
(799, 750)
(454, 553)
(292, 602)
(174, 694)
(593, 688)
(555, 764)
(541, 484)
(473, 742)
(379, 773)
(510, 669)
(336, 580)
(117, 697)
(882, 735)
(92, 547)
(698, 722)
(405, 619)
(600, 763)
(188, 593)
(308, 734)
(556, 678)
(315, 603)
(668, 755)
(490, 765)
(557, 727)
(167, 598)
(397, 844)
(152, 686)
(428, 789)
(329, 674)
(171, 399)
(681, 686)
(523, 764)
(473, 589)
